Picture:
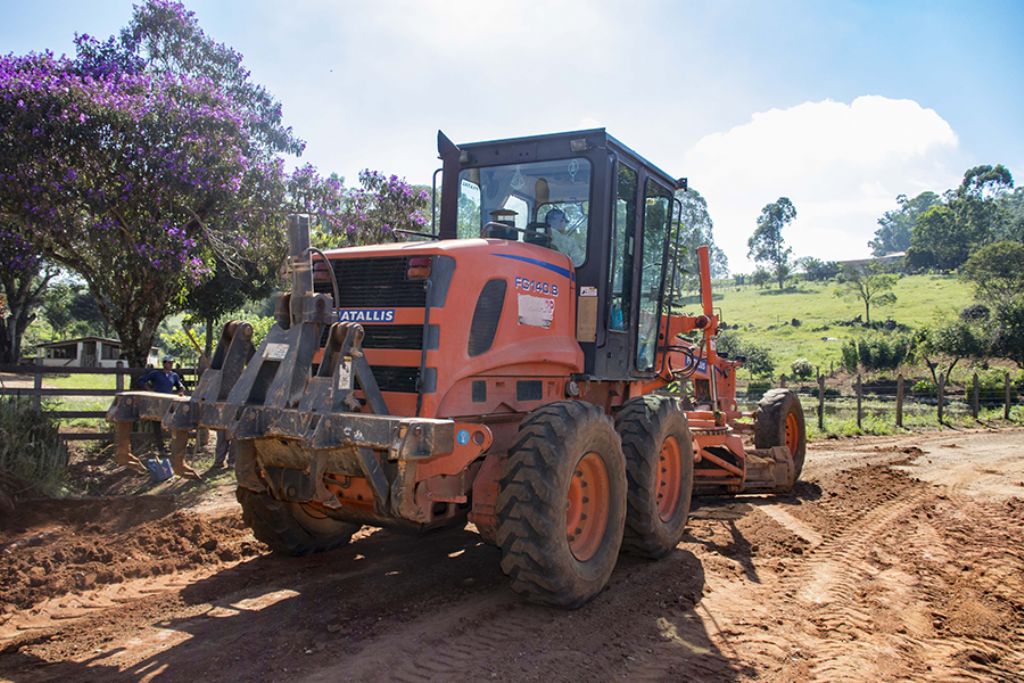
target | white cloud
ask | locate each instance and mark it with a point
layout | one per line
(841, 164)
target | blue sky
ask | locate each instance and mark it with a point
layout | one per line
(838, 105)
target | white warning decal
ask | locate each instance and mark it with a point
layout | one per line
(345, 373)
(275, 351)
(536, 311)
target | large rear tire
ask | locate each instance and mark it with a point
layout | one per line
(562, 504)
(291, 528)
(659, 470)
(779, 421)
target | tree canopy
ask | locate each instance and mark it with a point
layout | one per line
(698, 230)
(767, 245)
(979, 211)
(996, 271)
(893, 234)
(868, 286)
(138, 161)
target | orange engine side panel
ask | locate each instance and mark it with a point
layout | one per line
(535, 338)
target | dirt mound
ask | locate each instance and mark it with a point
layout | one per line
(64, 546)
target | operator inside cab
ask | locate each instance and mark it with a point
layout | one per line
(546, 203)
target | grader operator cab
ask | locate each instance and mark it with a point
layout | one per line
(526, 367)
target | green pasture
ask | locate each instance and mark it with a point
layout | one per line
(765, 316)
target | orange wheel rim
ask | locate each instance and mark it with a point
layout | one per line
(586, 512)
(670, 476)
(792, 433)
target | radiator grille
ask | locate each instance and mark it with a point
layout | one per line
(375, 283)
(382, 283)
(387, 336)
(395, 378)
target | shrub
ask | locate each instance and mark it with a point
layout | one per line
(924, 387)
(802, 368)
(32, 456)
(975, 312)
(757, 360)
(877, 352)
(990, 385)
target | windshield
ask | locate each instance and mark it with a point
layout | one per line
(544, 202)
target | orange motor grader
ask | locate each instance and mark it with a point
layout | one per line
(525, 366)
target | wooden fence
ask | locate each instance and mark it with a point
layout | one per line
(897, 397)
(894, 398)
(37, 392)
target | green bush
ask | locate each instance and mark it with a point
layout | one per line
(802, 368)
(924, 387)
(876, 352)
(757, 359)
(991, 385)
(32, 457)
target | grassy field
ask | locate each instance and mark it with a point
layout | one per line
(764, 316)
(82, 381)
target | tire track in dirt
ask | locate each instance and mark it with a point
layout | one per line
(874, 604)
(974, 608)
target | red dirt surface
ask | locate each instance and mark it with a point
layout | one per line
(898, 558)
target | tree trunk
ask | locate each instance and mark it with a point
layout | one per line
(22, 293)
(867, 312)
(6, 342)
(136, 340)
(208, 346)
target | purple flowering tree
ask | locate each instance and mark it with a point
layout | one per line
(139, 162)
(23, 277)
(376, 211)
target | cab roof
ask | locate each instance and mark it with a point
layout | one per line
(551, 142)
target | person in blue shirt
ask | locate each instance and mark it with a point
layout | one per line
(165, 381)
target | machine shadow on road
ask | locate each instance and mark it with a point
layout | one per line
(439, 597)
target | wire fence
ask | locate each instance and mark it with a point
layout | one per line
(832, 405)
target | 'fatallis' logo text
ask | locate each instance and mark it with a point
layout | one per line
(366, 315)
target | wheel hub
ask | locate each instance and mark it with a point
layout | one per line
(586, 514)
(669, 479)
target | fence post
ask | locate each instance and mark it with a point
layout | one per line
(975, 397)
(120, 376)
(942, 390)
(37, 391)
(821, 402)
(782, 380)
(899, 400)
(860, 395)
(1006, 396)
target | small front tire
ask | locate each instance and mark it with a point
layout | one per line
(292, 528)
(779, 421)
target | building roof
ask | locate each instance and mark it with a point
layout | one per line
(74, 340)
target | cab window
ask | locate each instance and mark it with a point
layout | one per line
(657, 214)
(623, 231)
(544, 202)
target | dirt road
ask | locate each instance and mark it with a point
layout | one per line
(898, 558)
